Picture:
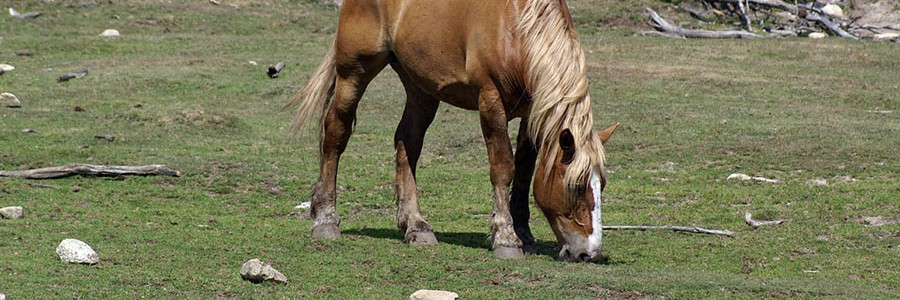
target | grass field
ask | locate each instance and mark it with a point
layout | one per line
(693, 112)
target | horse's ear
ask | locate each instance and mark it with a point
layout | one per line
(608, 132)
(567, 145)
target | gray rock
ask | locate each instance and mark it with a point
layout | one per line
(12, 212)
(10, 100)
(75, 251)
(257, 271)
(433, 295)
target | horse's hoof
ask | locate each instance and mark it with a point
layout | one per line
(509, 253)
(327, 231)
(420, 238)
(529, 248)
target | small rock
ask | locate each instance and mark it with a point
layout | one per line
(303, 205)
(253, 62)
(880, 221)
(818, 181)
(12, 212)
(817, 35)
(433, 295)
(2, 296)
(71, 75)
(79, 108)
(884, 37)
(110, 33)
(257, 271)
(740, 176)
(10, 100)
(214, 2)
(834, 10)
(27, 130)
(75, 251)
(6, 67)
(883, 112)
(108, 137)
(24, 52)
(31, 15)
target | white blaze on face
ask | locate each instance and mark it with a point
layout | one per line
(595, 241)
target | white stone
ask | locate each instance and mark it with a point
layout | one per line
(740, 176)
(818, 35)
(10, 100)
(12, 212)
(257, 271)
(303, 205)
(253, 62)
(834, 10)
(75, 251)
(883, 37)
(110, 33)
(6, 67)
(433, 295)
(2, 296)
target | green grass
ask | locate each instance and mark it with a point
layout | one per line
(693, 111)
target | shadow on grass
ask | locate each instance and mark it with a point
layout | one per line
(465, 239)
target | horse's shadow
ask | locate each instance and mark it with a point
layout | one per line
(465, 239)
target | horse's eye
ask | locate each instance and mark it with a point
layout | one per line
(580, 189)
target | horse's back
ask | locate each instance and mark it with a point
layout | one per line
(450, 47)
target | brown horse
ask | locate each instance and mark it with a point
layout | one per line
(506, 59)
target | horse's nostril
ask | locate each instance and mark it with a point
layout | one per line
(584, 257)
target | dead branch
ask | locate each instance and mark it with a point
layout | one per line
(91, 170)
(827, 24)
(750, 221)
(673, 228)
(662, 25)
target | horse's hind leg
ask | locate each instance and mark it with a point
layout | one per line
(526, 155)
(354, 74)
(417, 116)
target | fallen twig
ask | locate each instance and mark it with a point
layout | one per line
(750, 221)
(275, 71)
(673, 228)
(91, 170)
(662, 25)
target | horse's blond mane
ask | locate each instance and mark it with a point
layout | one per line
(555, 78)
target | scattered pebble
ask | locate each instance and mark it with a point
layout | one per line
(817, 35)
(257, 271)
(75, 251)
(71, 75)
(303, 205)
(818, 181)
(27, 130)
(253, 62)
(110, 33)
(24, 52)
(433, 295)
(214, 2)
(6, 67)
(12, 212)
(10, 100)
(740, 176)
(880, 221)
(13, 13)
(107, 137)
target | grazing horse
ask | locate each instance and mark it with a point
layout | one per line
(506, 59)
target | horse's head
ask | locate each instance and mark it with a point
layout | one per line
(573, 209)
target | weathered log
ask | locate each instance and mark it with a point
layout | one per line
(662, 25)
(673, 228)
(275, 71)
(91, 170)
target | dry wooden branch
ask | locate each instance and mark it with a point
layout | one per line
(91, 170)
(673, 228)
(827, 24)
(750, 221)
(275, 71)
(662, 25)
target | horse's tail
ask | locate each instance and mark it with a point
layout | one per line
(315, 96)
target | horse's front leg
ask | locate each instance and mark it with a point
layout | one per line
(494, 126)
(526, 154)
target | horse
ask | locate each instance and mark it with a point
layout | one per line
(505, 59)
